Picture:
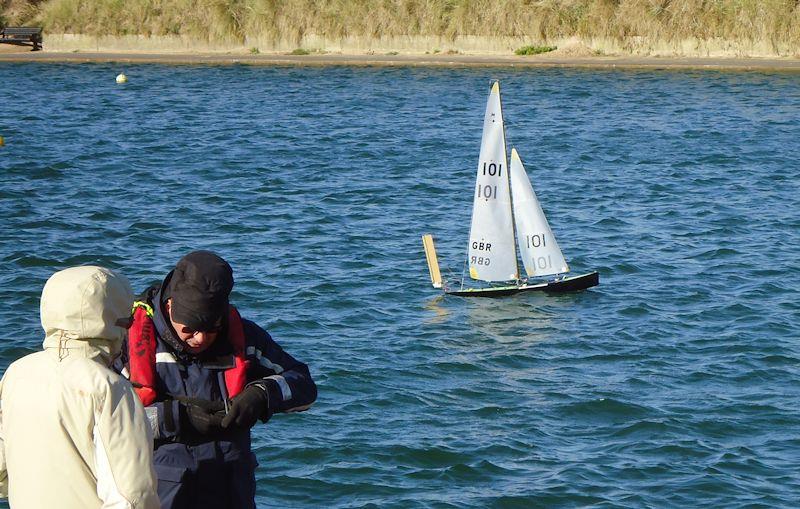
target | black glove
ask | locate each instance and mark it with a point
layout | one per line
(205, 417)
(248, 406)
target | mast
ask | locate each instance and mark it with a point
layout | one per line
(510, 193)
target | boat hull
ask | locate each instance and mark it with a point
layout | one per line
(567, 284)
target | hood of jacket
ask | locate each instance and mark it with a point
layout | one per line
(87, 309)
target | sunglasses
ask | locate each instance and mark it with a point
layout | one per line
(213, 330)
(126, 323)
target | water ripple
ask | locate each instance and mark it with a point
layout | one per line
(675, 381)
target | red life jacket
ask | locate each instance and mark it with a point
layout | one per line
(142, 353)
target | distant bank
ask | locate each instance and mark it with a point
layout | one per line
(453, 60)
(574, 28)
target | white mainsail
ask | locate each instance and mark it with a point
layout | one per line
(537, 245)
(491, 253)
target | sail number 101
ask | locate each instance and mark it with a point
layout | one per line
(489, 192)
(537, 240)
(493, 169)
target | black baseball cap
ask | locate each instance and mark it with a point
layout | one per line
(199, 288)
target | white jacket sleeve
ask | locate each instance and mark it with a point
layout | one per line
(124, 451)
(3, 470)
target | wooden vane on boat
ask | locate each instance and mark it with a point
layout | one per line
(507, 218)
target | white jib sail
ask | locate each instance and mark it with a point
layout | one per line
(537, 245)
(491, 254)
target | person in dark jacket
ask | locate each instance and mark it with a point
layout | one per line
(206, 376)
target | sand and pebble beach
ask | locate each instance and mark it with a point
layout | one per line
(570, 55)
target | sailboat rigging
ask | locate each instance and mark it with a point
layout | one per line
(507, 218)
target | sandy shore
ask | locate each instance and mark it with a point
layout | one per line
(14, 54)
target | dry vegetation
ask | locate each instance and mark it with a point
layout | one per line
(776, 22)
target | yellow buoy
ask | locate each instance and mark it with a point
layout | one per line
(2, 141)
(121, 78)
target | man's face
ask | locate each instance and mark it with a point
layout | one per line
(196, 341)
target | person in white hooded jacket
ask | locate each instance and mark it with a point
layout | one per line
(73, 434)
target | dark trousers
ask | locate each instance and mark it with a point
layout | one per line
(205, 476)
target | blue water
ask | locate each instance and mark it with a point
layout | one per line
(675, 383)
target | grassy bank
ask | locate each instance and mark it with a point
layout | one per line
(774, 23)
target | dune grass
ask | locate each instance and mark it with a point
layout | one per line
(773, 21)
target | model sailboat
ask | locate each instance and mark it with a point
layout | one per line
(506, 218)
